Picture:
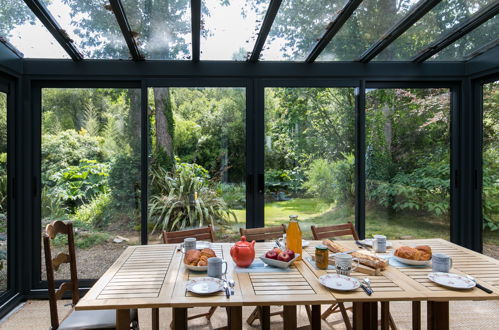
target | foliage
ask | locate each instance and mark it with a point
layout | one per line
(424, 189)
(53, 206)
(124, 182)
(185, 198)
(332, 181)
(76, 185)
(234, 194)
(96, 211)
(289, 181)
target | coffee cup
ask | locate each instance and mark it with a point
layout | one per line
(440, 262)
(379, 243)
(189, 244)
(344, 263)
(215, 265)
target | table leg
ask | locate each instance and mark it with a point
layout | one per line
(385, 315)
(290, 317)
(155, 319)
(179, 318)
(416, 315)
(235, 318)
(438, 315)
(365, 315)
(316, 317)
(123, 319)
(264, 317)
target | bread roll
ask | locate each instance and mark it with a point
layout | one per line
(425, 252)
(365, 259)
(209, 253)
(192, 257)
(408, 252)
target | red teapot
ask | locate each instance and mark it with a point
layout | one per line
(243, 252)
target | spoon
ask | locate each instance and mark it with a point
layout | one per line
(232, 284)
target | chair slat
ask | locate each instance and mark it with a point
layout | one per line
(205, 234)
(264, 233)
(334, 231)
(66, 286)
(61, 258)
(56, 227)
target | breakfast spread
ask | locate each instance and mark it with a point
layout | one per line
(365, 259)
(421, 252)
(198, 257)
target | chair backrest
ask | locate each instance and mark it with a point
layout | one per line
(334, 231)
(52, 264)
(264, 233)
(200, 234)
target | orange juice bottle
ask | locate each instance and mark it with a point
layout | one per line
(293, 236)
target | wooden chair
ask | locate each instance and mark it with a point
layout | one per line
(345, 229)
(201, 234)
(262, 234)
(98, 319)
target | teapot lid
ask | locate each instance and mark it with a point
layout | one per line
(243, 242)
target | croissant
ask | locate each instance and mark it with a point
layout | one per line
(209, 253)
(408, 252)
(192, 257)
(425, 252)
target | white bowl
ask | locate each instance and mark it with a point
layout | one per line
(412, 262)
(278, 263)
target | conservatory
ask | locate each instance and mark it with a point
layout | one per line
(239, 164)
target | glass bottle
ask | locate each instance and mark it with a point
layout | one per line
(293, 236)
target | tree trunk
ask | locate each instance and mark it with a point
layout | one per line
(164, 127)
(133, 124)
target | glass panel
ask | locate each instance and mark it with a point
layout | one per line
(408, 163)
(3, 192)
(91, 172)
(367, 24)
(309, 156)
(23, 30)
(197, 160)
(297, 26)
(466, 45)
(441, 19)
(163, 28)
(490, 190)
(230, 30)
(92, 26)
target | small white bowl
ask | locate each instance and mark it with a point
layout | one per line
(278, 263)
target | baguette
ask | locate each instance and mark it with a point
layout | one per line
(365, 259)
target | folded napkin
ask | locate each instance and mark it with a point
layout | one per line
(259, 266)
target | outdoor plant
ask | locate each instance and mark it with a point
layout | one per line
(185, 198)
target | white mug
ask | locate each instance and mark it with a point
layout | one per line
(379, 243)
(440, 262)
(215, 267)
(189, 244)
(344, 263)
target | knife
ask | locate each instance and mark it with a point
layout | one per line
(366, 290)
(481, 287)
(227, 291)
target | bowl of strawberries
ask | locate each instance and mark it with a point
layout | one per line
(279, 258)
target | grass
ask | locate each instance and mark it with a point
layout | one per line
(313, 211)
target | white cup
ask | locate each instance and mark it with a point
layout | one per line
(379, 243)
(215, 267)
(189, 244)
(344, 263)
(441, 262)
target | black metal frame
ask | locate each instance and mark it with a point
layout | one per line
(196, 29)
(462, 29)
(119, 13)
(270, 15)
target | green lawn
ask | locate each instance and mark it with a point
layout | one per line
(313, 211)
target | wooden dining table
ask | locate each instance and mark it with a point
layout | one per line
(154, 276)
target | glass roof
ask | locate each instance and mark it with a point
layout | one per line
(367, 24)
(441, 19)
(459, 50)
(230, 29)
(91, 26)
(297, 26)
(162, 29)
(23, 30)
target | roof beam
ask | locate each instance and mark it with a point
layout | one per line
(196, 29)
(11, 47)
(119, 13)
(485, 48)
(265, 29)
(398, 29)
(462, 29)
(54, 28)
(333, 28)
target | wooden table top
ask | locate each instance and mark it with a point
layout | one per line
(154, 276)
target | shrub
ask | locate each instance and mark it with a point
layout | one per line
(124, 182)
(95, 212)
(76, 185)
(332, 181)
(491, 189)
(234, 194)
(53, 207)
(289, 181)
(185, 198)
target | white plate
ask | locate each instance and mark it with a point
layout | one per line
(369, 241)
(304, 243)
(278, 263)
(339, 282)
(451, 280)
(196, 268)
(412, 262)
(203, 245)
(205, 285)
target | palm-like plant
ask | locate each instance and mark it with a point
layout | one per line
(185, 198)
